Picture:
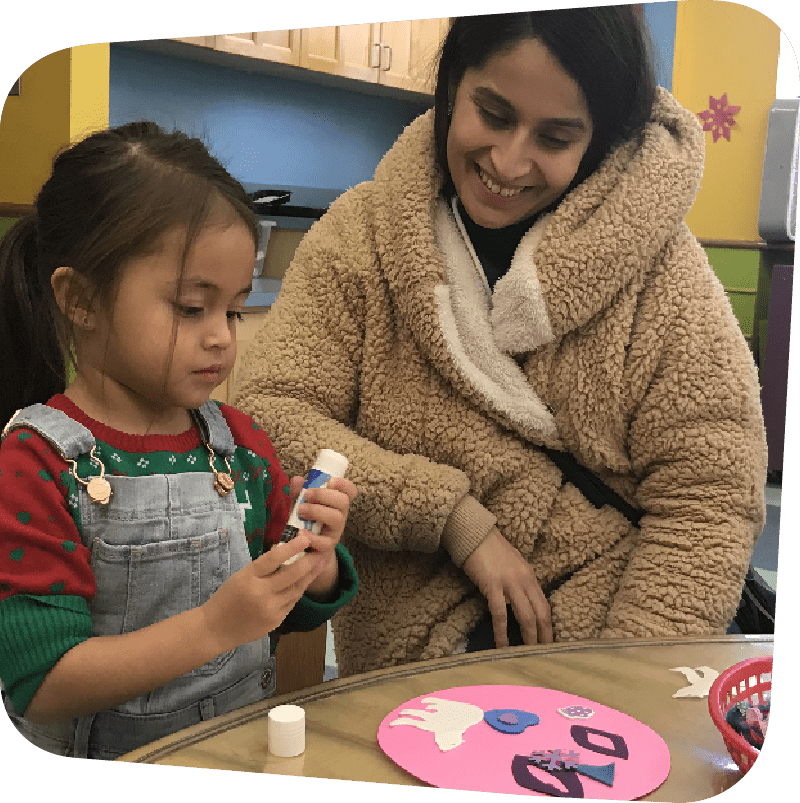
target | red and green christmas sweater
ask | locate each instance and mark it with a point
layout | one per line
(46, 580)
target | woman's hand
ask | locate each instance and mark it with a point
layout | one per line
(329, 507)
(504, 576)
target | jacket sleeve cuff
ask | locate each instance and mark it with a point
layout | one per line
(466, 528)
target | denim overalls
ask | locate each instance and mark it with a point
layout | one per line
(162, 545)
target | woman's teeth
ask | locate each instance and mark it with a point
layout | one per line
(497, 189)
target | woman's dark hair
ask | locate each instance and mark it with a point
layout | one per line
(109, 198)
(606, 50)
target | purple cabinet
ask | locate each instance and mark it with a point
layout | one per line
(776, 365)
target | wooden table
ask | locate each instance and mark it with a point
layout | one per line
(342, 716)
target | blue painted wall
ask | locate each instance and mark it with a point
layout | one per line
(272, 130)
(661, 21)
(263, 128)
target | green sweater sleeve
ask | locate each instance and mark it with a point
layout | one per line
(35, 632)
(308, 614)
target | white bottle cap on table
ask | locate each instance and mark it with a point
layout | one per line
(286, 731)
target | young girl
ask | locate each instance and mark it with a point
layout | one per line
(138, 578)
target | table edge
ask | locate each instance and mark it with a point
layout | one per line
(155, 751)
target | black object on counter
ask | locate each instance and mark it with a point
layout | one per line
(269, 199)
(294, 202)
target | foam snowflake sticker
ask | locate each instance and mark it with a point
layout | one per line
(718, 118)
(575, 712)
(554, 759)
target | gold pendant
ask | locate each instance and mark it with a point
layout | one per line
(223, 483)
(99, 490)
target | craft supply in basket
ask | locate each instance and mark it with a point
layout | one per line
(749, 681)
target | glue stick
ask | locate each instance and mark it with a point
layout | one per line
(328, 464)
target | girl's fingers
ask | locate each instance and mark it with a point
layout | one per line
(338, 484)
(295, 486)
(345, 486)
(294, 579)
(327, 506)
(324, 515)
(271, 561)
(330, 497)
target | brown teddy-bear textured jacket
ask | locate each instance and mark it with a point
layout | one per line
(610, 337)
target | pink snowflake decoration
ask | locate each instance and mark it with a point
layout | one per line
(555, 759)
(719, 117)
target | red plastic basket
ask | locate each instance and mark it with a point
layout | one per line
(749, 680)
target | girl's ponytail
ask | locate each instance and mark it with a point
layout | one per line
(31, 359)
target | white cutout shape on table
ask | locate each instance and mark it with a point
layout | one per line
(446, 719)
(700, 677)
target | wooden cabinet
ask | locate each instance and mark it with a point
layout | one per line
(401, 55)
(201, 41)
(396, 54)
(280, 46)
(408, 52)
(346, 50)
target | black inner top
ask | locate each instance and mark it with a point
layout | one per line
(495, 247)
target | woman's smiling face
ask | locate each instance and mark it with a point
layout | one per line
(519, 129)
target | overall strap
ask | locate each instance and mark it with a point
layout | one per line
(214, 429)
(66, 435)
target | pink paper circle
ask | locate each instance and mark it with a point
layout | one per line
(482, 762)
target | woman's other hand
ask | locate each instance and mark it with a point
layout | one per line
(503, 576)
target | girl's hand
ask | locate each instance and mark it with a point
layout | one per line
(256, 599)
(504, 576)
(248, 605)
(328, 506)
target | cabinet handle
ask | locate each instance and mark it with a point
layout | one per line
(375, 60)
(388, 53)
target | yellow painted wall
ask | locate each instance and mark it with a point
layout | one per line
(63, 97)
(725, 47)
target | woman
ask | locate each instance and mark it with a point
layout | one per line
(518, 274)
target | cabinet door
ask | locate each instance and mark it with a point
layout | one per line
(408, 53)
(347, 50)
(203, 41)
(280, 46)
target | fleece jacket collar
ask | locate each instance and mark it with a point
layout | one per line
(578, 261)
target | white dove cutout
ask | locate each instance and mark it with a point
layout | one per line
(446, 719)
(700, 677)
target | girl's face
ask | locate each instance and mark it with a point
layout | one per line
(518, 132)
(168, 344)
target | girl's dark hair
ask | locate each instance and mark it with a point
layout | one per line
(109, 198)
(606, 50)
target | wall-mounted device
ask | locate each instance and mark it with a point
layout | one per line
(777, 211)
